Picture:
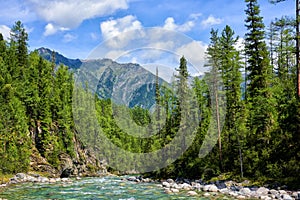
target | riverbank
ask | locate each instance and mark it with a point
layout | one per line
(227, 188)
(190, 188)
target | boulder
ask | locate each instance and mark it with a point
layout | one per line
(170, 180)
(224, 191)
(274, 192)
(262, 191)
(245, 191)
(21, 176)
(210, 188)
(282, 192)
(286, 197)
(131, 178)
(265, 197)
(192, 193)
(206, 194)
(165, 184)
(220, 184)
(66, 173)
(186, 186)
(168, 191)
(174, 190)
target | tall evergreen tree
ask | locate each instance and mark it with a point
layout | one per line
(230, 65)
(214, 61)
(262, 115)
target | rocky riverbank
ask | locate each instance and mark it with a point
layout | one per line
(227, 188)
(34, 178)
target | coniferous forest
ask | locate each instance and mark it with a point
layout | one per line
(260, 138)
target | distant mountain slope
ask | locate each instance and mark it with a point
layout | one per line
(129, 84)
(59, 59)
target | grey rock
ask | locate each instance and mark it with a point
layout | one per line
(131, 178)
(197, 186)
(186, 186)
(174, 190)
(165, 184)
(274, 192)
(206, 194)
(262, 191)
(282, 191)
(170, 180)
(265, 197)
(286, 197)
(52, 180)
(210, 188)
(65, 180)
(192, 193)
(245, 191)
(231, 193)
(220, 184)
(168, 191)
(66, 173)
(295, 195)
(20, 176)
(224, 191)
(42, 179)
(241, 197)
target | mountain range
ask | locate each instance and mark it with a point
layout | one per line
(127, 83)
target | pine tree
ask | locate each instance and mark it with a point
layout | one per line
(262, 115)
(297, 38)
(230, 65)
(214, 61)
(19, 38)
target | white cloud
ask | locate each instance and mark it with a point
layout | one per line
(5, 30)
(211, 20)
(171, 25)
(240, 44)
(69, 37)
(112, 28)
(14, 10)
(195, 16)
(194, 52)
(122, 30)
(71, 13)
(51, 29)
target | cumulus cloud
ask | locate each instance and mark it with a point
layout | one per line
(122, 30)
(51, 29)
(5, 30)
(211, 20)
(171, 25)
(71, 13)
(194, 52)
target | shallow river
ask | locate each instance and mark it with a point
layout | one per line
(92, 188)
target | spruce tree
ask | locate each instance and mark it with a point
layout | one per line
(230, 65)
(262, 114)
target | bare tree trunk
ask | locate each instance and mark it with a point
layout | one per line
(216, 85)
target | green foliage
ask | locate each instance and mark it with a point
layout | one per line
(35, 105)
(260, 137)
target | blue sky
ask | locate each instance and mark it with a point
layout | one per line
(76, 27)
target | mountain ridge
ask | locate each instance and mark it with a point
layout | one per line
(125, 83)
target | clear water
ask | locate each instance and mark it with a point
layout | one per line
(92, 189)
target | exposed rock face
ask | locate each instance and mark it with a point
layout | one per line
(84, 163)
